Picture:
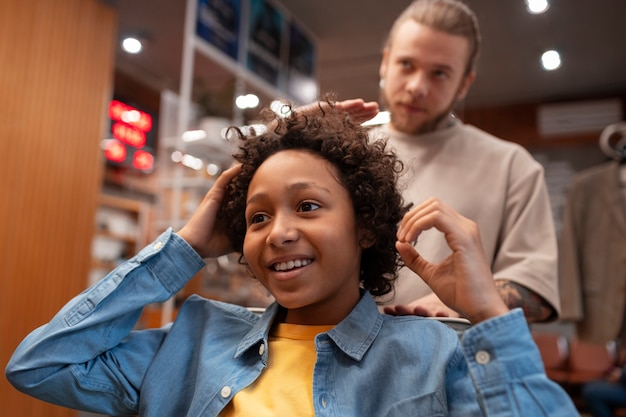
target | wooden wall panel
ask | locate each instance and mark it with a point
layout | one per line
(56, 69)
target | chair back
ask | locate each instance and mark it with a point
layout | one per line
(588, 361)
(554, 351)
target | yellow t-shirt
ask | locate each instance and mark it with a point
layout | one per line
(285, 387)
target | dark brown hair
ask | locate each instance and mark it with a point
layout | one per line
(368, 171)
(449, 16)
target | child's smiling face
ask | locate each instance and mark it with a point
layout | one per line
(302, 242)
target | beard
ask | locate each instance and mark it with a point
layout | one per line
(429, 125)
(435, 122)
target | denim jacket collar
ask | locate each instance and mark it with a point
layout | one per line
(260, 331)
(353, 335)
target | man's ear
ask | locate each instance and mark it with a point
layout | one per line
(382, 70)
(466, 83)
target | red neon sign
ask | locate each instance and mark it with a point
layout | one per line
(128, 134)
(143, 160)
(120, 112)
(115, 151)
(130, 128)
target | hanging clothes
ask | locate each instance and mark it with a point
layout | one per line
(592, 248)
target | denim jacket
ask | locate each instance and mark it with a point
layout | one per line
(89, 357)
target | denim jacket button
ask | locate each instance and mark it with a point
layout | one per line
(262, 349)
(226, 391)
(483, 357)
(157, 245)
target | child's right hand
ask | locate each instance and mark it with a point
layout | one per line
(463, 281)
(202, 232)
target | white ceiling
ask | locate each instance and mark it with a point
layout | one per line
(349, 33)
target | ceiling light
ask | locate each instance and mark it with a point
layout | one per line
(192, 162)
(280, 108)
(249, 101)
(251, 130)
(212, 169)
(177, 156)
(132, 45)
(537, 6)
(194, 135)
(550, 60)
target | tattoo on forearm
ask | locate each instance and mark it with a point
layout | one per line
(536, 308)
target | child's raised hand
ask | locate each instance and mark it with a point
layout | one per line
(202, 231)
(463, 281)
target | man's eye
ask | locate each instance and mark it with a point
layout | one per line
(258, 218)
(440, 74)
(406, 64)
(308, 206)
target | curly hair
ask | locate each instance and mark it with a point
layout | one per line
(368, 171)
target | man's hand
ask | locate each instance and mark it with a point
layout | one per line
(514, 295)
(359, 110)
(428, 306)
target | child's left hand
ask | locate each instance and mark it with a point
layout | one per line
(202, 231)
(463, 281)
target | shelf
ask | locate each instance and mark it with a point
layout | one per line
(120, 231)
(130, 239)
(123, 203)
(103, 265)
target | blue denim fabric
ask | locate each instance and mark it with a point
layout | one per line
(89, 357)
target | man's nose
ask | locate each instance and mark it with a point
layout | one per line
(417, 84)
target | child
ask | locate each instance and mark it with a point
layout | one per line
(314, 210)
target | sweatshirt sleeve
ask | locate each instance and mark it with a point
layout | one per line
(88, 356)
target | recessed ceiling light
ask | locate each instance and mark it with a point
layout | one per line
(551, 60)
(132, 45)
(537, 6)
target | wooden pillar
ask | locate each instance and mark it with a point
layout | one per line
(56, 67)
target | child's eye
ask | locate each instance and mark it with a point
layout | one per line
(308, 206)
(258, 218)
